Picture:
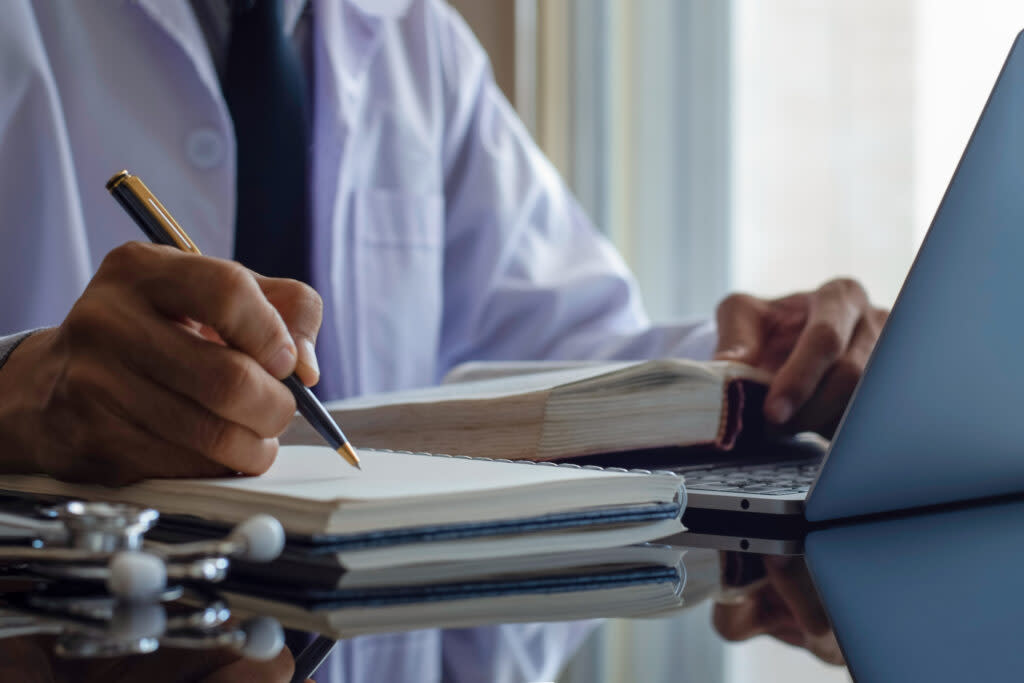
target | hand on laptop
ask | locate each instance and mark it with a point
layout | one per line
(816, 343)
(783, 605)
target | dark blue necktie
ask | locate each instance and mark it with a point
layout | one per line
(265, 89)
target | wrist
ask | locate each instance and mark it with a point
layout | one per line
(27, 376)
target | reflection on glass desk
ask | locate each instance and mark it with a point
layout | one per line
(635, 581)
(929, 596)
(933, 596)
(190, 638)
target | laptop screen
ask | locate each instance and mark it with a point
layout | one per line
(939, 414)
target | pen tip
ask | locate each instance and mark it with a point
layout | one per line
(346, 451)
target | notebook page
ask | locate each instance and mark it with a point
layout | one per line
(319, 473)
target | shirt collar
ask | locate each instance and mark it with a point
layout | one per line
(387, 9)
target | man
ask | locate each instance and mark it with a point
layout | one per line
(437, 233)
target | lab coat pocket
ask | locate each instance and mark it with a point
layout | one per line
(399, 251)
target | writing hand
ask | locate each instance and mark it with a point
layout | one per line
(816, 344)
(168, 365)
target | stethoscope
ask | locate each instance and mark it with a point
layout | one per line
(85, 572)
(104, 542)
(90, 626)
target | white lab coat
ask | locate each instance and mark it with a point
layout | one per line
(440, 232)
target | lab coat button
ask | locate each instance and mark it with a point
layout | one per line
(205, 148)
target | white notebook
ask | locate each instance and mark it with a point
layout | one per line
(406, 507)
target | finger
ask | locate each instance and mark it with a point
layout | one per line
(116, 452)
(822, 412)
(784, 320)
(209, 334)
(222, 380)
(835, 310)
(739, 319)
(182, 422)
(763, 612)
(736, 622)
(301, 308)
(791, 635)
(218, 293)
(826, 648)
(792, 582)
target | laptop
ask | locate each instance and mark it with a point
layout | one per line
(938, 415)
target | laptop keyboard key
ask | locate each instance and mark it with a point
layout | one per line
(767, 480)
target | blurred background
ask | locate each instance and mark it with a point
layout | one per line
(757, 145)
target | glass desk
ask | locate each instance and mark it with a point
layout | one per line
(929, 596)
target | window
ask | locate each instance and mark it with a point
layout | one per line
(761, 145)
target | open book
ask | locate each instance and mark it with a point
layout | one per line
(409, 508)
(510, 410)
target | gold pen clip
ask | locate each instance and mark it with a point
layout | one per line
(148, 202)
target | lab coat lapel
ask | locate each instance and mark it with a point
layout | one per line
(178, 21)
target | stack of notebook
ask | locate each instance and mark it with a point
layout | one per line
(470, 537)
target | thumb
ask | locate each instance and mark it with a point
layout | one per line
(739, 319)
(302, 311)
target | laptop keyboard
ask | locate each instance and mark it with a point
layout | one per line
(771, 479)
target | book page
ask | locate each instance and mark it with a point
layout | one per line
(484, 389)
(517, 378)
(474, 371)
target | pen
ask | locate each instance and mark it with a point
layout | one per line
(161, 228)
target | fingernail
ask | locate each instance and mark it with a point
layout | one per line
(779, 410)
(282, 363)
(308, 359)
